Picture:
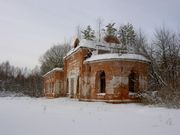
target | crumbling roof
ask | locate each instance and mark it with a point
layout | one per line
(53, 70)
(128, 55)
(93, 45)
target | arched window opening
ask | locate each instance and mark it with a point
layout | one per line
(133, 81)
(101, 81)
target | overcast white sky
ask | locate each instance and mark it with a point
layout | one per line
(29, 27)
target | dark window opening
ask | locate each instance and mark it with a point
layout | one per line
(102, 82)
(77, 85)
(133, 82)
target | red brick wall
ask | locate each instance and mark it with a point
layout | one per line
(73, 69)
(80, 79)
(49, 82)
(116, 73)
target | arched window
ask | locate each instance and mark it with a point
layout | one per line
(133, 81)
(101, 81)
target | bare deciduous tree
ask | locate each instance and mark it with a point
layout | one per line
(167, 53)
(53, 57)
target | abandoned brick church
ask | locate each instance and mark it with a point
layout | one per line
(96, 71)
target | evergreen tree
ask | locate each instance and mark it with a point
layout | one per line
(127, 34)
(111, 34)
(110, 31)
(88, 33)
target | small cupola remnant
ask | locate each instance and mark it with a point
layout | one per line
(76, 42)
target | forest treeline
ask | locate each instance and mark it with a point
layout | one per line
(28, 82)
(20, 80)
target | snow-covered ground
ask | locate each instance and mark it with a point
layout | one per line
(63, 116)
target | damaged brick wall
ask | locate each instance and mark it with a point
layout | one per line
(73, 66)
(54, 84)
(117, 78)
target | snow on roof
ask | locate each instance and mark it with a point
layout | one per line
(116, 56)
(53, 70)
(92, 45)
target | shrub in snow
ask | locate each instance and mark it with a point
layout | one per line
(11, 94)
(164, 97)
